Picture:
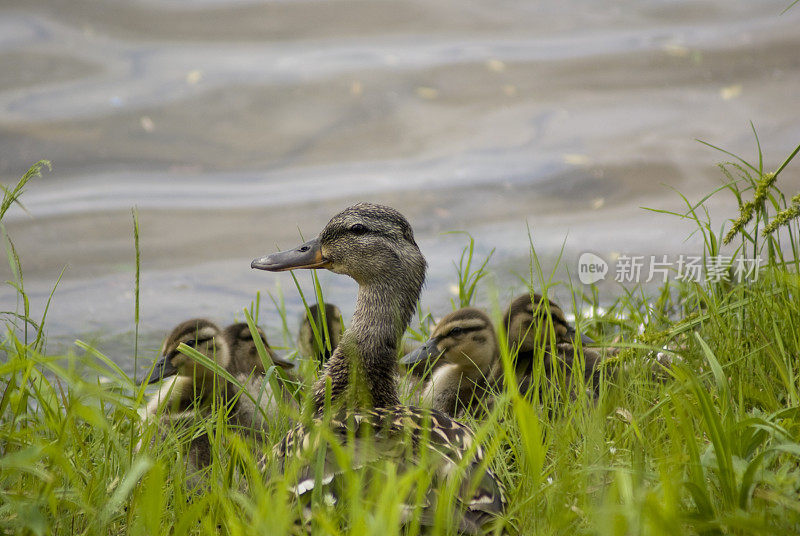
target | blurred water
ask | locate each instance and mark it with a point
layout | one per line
(234, 125)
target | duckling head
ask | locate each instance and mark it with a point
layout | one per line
(331, 321)
(202, 335)
(464, 338)
(527, 324)
(244, 356)
(371, 243)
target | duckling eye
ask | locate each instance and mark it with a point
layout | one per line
(455, 331)
(194, 342)
(358, 229)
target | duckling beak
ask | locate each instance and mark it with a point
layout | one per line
(427, 352)
(585, 339)
(308, 255)
(282, 362)
(162, 369)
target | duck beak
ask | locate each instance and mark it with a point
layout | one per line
(427, 352)
(585, 339)
(281, 362)
(308, 255)
(162, 369)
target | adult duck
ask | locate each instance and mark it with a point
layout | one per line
(375, 246)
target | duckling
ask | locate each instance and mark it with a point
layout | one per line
(191, 385)
(464, 347)
(528, 328)
(244, 358)
(254, 411)
(469, 369)
(375, 246)
(178, 393)
(526, 324)
(330, 322)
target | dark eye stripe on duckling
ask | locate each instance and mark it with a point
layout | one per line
(201, 334)
(192, 343)
(459, 328)
(541, 310)
(195, 337)
(197, 342)
(460, 331)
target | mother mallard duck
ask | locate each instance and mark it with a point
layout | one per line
(375, 246)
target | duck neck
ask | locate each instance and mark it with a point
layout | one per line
(363, 367)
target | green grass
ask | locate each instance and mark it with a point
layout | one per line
(714, 449)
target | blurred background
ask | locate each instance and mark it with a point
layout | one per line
(235, 126)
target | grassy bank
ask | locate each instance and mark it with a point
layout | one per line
(710, 447)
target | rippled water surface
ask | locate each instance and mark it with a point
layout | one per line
(236, 125)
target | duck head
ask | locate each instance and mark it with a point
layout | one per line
(370, 243)
(374, 245)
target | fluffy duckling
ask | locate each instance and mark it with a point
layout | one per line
(528, 329)
(327, 320)
(464, 354)
(254, 411)
(464, 347)
(375, 245)
(527, 320)
(191, 385)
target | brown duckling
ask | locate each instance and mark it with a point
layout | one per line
(527, 321)
(191, 388)
(464, 346)
(254, 411)
(190, 385)
(329, 325)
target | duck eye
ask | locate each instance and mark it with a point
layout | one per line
(358, 229)
(195, 342)
(455, 332)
